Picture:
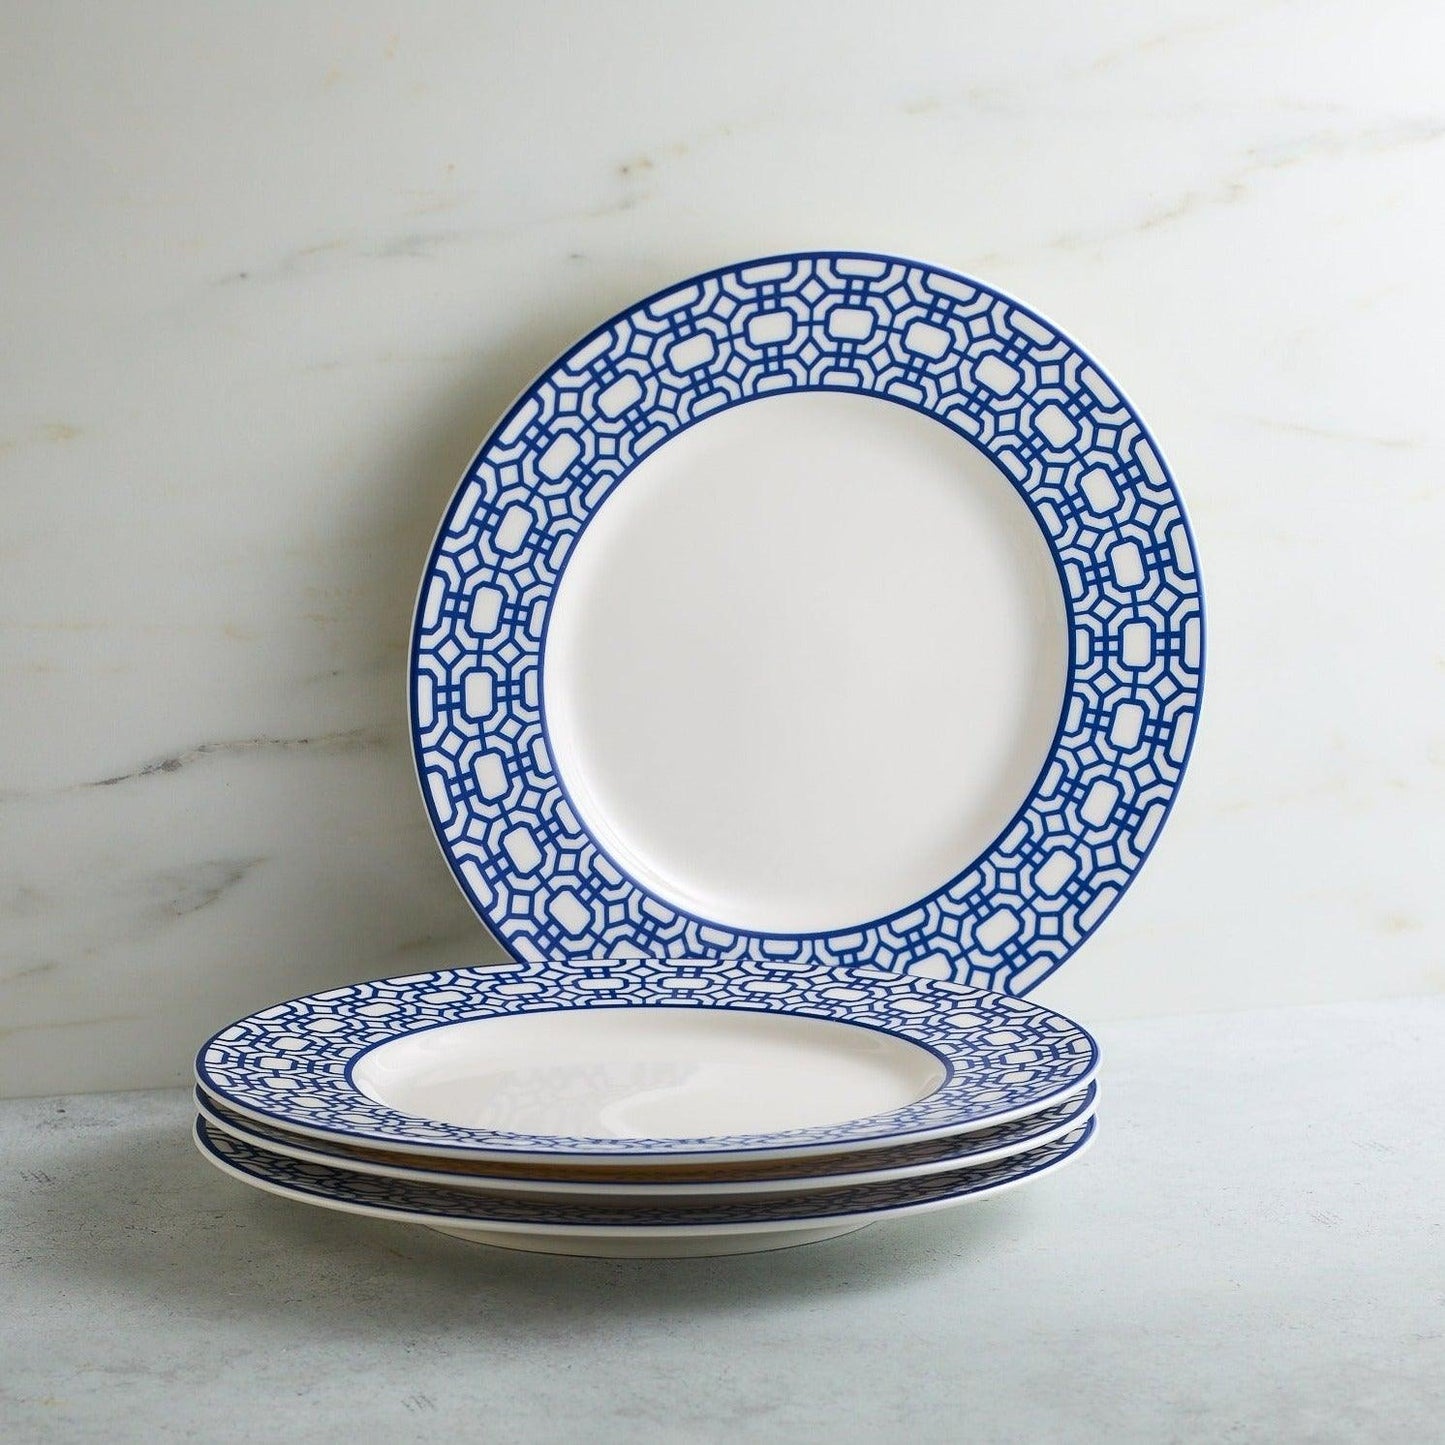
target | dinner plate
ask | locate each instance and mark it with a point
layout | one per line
(587, 1227)
(652, 1060)
(872, 1166)
(831, 607)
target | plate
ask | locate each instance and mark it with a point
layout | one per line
(578, 1227)
(873, 1166)
(657, 1060)
(830, 607)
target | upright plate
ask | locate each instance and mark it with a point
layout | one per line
(828, 607)
(653, 1061)
(587, 1227)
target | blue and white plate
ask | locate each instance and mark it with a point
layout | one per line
(645, 1060)
(586, 1227)
(830, 608)
(787, 1176)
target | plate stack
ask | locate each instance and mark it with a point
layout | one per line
(645, 1107)
(802, 671)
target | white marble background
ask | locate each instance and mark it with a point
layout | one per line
(269, 271)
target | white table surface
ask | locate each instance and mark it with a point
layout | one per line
(1252, 1251)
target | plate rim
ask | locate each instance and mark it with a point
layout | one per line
(642, 1187)
(647, 1228)
(496, 924)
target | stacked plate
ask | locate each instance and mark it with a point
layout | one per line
(802, 671)
(646, 1107)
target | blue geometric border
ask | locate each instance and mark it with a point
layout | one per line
(293, 1064)
(979, 363)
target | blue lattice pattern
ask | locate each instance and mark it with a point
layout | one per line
(291, 1064)
(949, 347)
(406, 1199)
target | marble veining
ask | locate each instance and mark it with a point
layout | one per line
(266, 292)
(354, 738)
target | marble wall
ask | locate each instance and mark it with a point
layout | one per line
(269, 273)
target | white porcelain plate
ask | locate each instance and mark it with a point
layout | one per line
(650, 1060)
(831, 607)
(587, 1227)
(756, 1177)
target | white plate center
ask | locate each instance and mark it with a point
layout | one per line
(805, 663)
(650, 1073)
